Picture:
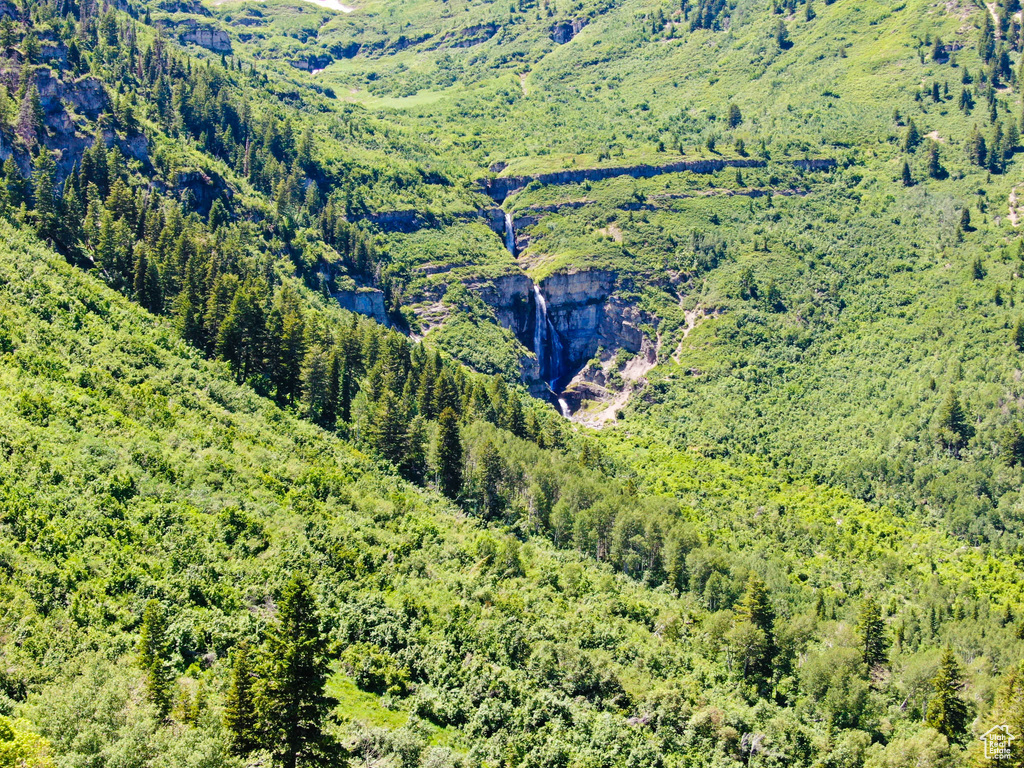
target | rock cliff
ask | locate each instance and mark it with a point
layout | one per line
(364, 301)
(501, 187)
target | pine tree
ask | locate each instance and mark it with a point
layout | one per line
(153, 658)
(947, 712)
(735, 116)
(954, 430)
(986, 39)
(977, 151)
(240, 719)
(933, 163)
(871, 628)
(387, 429)
(490, 478)
(908, 180)
(965, 220)
(449, 454)
(1012, 446)
(755, 633)
(912, 137)
(290, 699)
(43, 171)
(1018, 334)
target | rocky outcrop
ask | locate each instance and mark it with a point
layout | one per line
(576, 308)
(470, 36)
(202, 188)
(501, 187)
(511, 298)
(204, 35)
(364, 301)
(564, 31)
(312, 62)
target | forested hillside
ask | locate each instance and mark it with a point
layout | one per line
(614, 383)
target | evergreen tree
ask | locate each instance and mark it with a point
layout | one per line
(490, 478)
(1018, 334)
(291, 701)
(413, 464)
(954, 430)
(449, 454)
(933, 163)
(986, 39)
(146, 282)
(240, 719)
(947, 712)
(1012, 446)
(907, 178)
(976, 148)
(754, 634)
(912, 137)
(735, 116)
(43, 171)
(387, 429)
(871, 628)
(153, 658)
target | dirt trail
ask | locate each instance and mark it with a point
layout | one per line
(693, 316)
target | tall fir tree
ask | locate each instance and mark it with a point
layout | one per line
(871, 628)
(153, 658)
(240, 719)
(947, 711)
(449, 454)
(291, 701)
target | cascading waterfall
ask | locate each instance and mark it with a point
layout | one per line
(510, 234)
(549, 355)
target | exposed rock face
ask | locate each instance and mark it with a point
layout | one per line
(203, 187)
(576, 308)
(511, 298)
(564, 31)
(500, 188)
(364, 301)
(204, 35)
(470, 36)
(312, 62)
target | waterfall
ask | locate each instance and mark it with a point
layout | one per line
(510, 234)
(551, 354)
(540, 325)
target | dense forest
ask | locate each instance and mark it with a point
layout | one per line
(282, 480)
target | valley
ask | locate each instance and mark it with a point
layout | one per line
(551, 384)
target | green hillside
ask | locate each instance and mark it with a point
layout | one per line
(548, 384)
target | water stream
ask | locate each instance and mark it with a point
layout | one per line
(510, 234)
(547, 344)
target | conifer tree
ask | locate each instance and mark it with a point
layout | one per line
(871, 629)
(953, 426)
(43, 170)
(912, 137)
(933, 164)
(947, 711)
(153, 658)
(754, 634)
(387, 429)
(449, 454)
(908, 180)
(240, 719)
(291, 701)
